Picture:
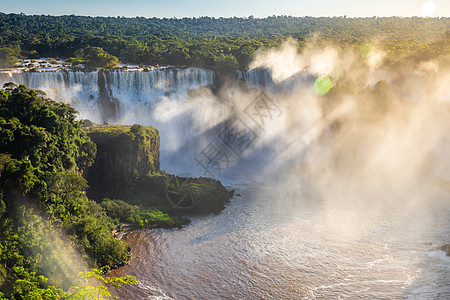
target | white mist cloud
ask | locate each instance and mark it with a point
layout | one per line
(280, 66)
(364, 143)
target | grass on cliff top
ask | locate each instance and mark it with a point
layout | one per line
(108, 131)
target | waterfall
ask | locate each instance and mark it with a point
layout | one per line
(155, 85)
(157, 97)
(79, 89)
(112, 95)
(107, 95)
(256, 78)
(261, 79)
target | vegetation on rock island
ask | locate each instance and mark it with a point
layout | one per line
(95, 57)
(127, 168)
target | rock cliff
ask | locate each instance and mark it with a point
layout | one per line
(124, 155)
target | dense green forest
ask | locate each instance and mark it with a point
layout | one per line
(20, 26)
(48, 224)
(43, 153)
(217, 43)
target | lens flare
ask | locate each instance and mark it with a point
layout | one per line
(58, 260)
(322, 85)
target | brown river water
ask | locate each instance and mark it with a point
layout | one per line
(264, 246)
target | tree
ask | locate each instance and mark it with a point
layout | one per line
(96, 57)
(226, 62)
(9, 56)
(43, 150)
(100, 291)
(30, 286)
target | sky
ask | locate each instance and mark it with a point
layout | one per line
(229, 8)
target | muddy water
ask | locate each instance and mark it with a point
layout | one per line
(266, 247)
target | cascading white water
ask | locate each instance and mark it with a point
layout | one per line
(129, 87)
(261, 79)
(79, 89)
(256, 78)
(157, 97)
(133, 90)
(154, 85)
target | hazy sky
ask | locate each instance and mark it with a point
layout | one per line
(227, 8)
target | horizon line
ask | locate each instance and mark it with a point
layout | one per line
(249, 17)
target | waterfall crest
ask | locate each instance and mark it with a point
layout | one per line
(105, 95)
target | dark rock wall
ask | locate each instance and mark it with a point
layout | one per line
(125, 154)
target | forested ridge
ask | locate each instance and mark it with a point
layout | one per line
(20, 26)
(217, 43)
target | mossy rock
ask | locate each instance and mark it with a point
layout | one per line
(124, 155)
(196, 195)
(127, 168)
(213, 196)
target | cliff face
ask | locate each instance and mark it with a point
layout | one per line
(124, 155)
(126, 167)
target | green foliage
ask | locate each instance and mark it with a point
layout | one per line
(43, 132)
(10, 246)
(216, 43)
(162, 190)
(9, 56)
(143, 215)
(18, 26)
(210, 195)
(29, 286)
(20, 175)
(95, 57)
(100, 291)
(117, 209)
(43, 152)
(226, 62)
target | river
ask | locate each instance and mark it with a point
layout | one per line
(268, 244)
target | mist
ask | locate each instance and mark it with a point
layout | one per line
(375, 143)
(380, 127)
(347, 126)
(375, 138)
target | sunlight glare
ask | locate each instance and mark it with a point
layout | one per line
(428, 8)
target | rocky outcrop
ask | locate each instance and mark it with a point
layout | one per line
(124, 155)
(127, 168)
